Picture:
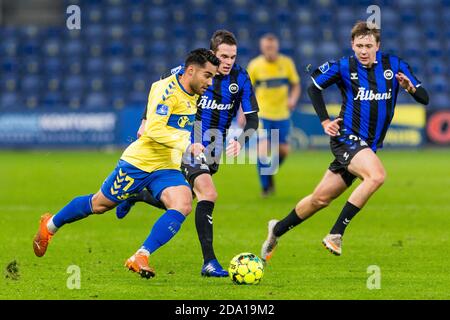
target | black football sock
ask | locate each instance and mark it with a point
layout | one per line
(204, 225)
(147, 197)
(347, 213)
(290, 221)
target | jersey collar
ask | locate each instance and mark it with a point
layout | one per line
(182, 88)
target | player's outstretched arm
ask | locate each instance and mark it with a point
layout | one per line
(418, 93)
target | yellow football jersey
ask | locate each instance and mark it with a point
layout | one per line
(170, 119)
(271, 81)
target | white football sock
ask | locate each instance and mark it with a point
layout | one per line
(143, 251)
(51, 226)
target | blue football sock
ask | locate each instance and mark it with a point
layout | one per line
(164, 229)
(263, 178)
(77, 209)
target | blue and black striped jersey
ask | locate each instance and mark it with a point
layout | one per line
(369, 94)
(217, 107)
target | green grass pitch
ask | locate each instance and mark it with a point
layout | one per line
(404, 230)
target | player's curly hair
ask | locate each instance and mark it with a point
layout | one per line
(222, 36)
(362, 28)
(200, 56)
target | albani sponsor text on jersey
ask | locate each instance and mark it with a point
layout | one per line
(206, 103)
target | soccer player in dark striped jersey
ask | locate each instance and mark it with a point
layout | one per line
(369, 82)
(216, 108)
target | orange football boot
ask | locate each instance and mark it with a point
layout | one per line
(43, 236)
(139, 263)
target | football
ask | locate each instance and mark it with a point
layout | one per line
(246, 268)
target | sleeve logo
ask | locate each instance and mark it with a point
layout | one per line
(325, 67)
(176, 70)
(162, 109)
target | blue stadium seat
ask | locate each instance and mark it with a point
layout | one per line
(116, 32)
(438, 83)
(199, 15)
(9, 47)
(138, 98)
(141, 83)
(440, 100)
(95, 83)
(434, 49)
(308, 33)
(117, 84)
(261, 16)
(95, 66)
(31, 83)
(179, 31)
(137, 65)
(9, 83)
(52, 48)
(137, 31)
(74, 85)
(74, 102)
(9, 65)
(416, 65)
(116, 66)
(138, 48)
(94, 14)
(53, 84)
(53, 66)
(115, 14)
(74, 47)
(30, 47)
(410, 34)
(96, 100)
(429, 16)
(119, 100)
(117, 48)
(9, 100)
(345, 15)
(30, 32)
(159, 33)
(157, 15)
(74, 65)
(137, 15)
(159, 49)
(306, 48)
(409, 16)
(32, 66)
(31, 101)
(52, 99)
(389, 17)
(329, 49)
(93, 32)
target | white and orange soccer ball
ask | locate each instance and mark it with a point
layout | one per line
(246, 268)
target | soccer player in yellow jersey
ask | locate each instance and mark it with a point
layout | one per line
(153, 162)
(277, 86)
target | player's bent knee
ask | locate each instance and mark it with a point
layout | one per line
(100, 208)
(378, 179)
(210, 195)
(320, 201)
(184, 207)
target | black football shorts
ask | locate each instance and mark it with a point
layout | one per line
(344, 147)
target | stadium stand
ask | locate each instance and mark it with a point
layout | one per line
(124, 45)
